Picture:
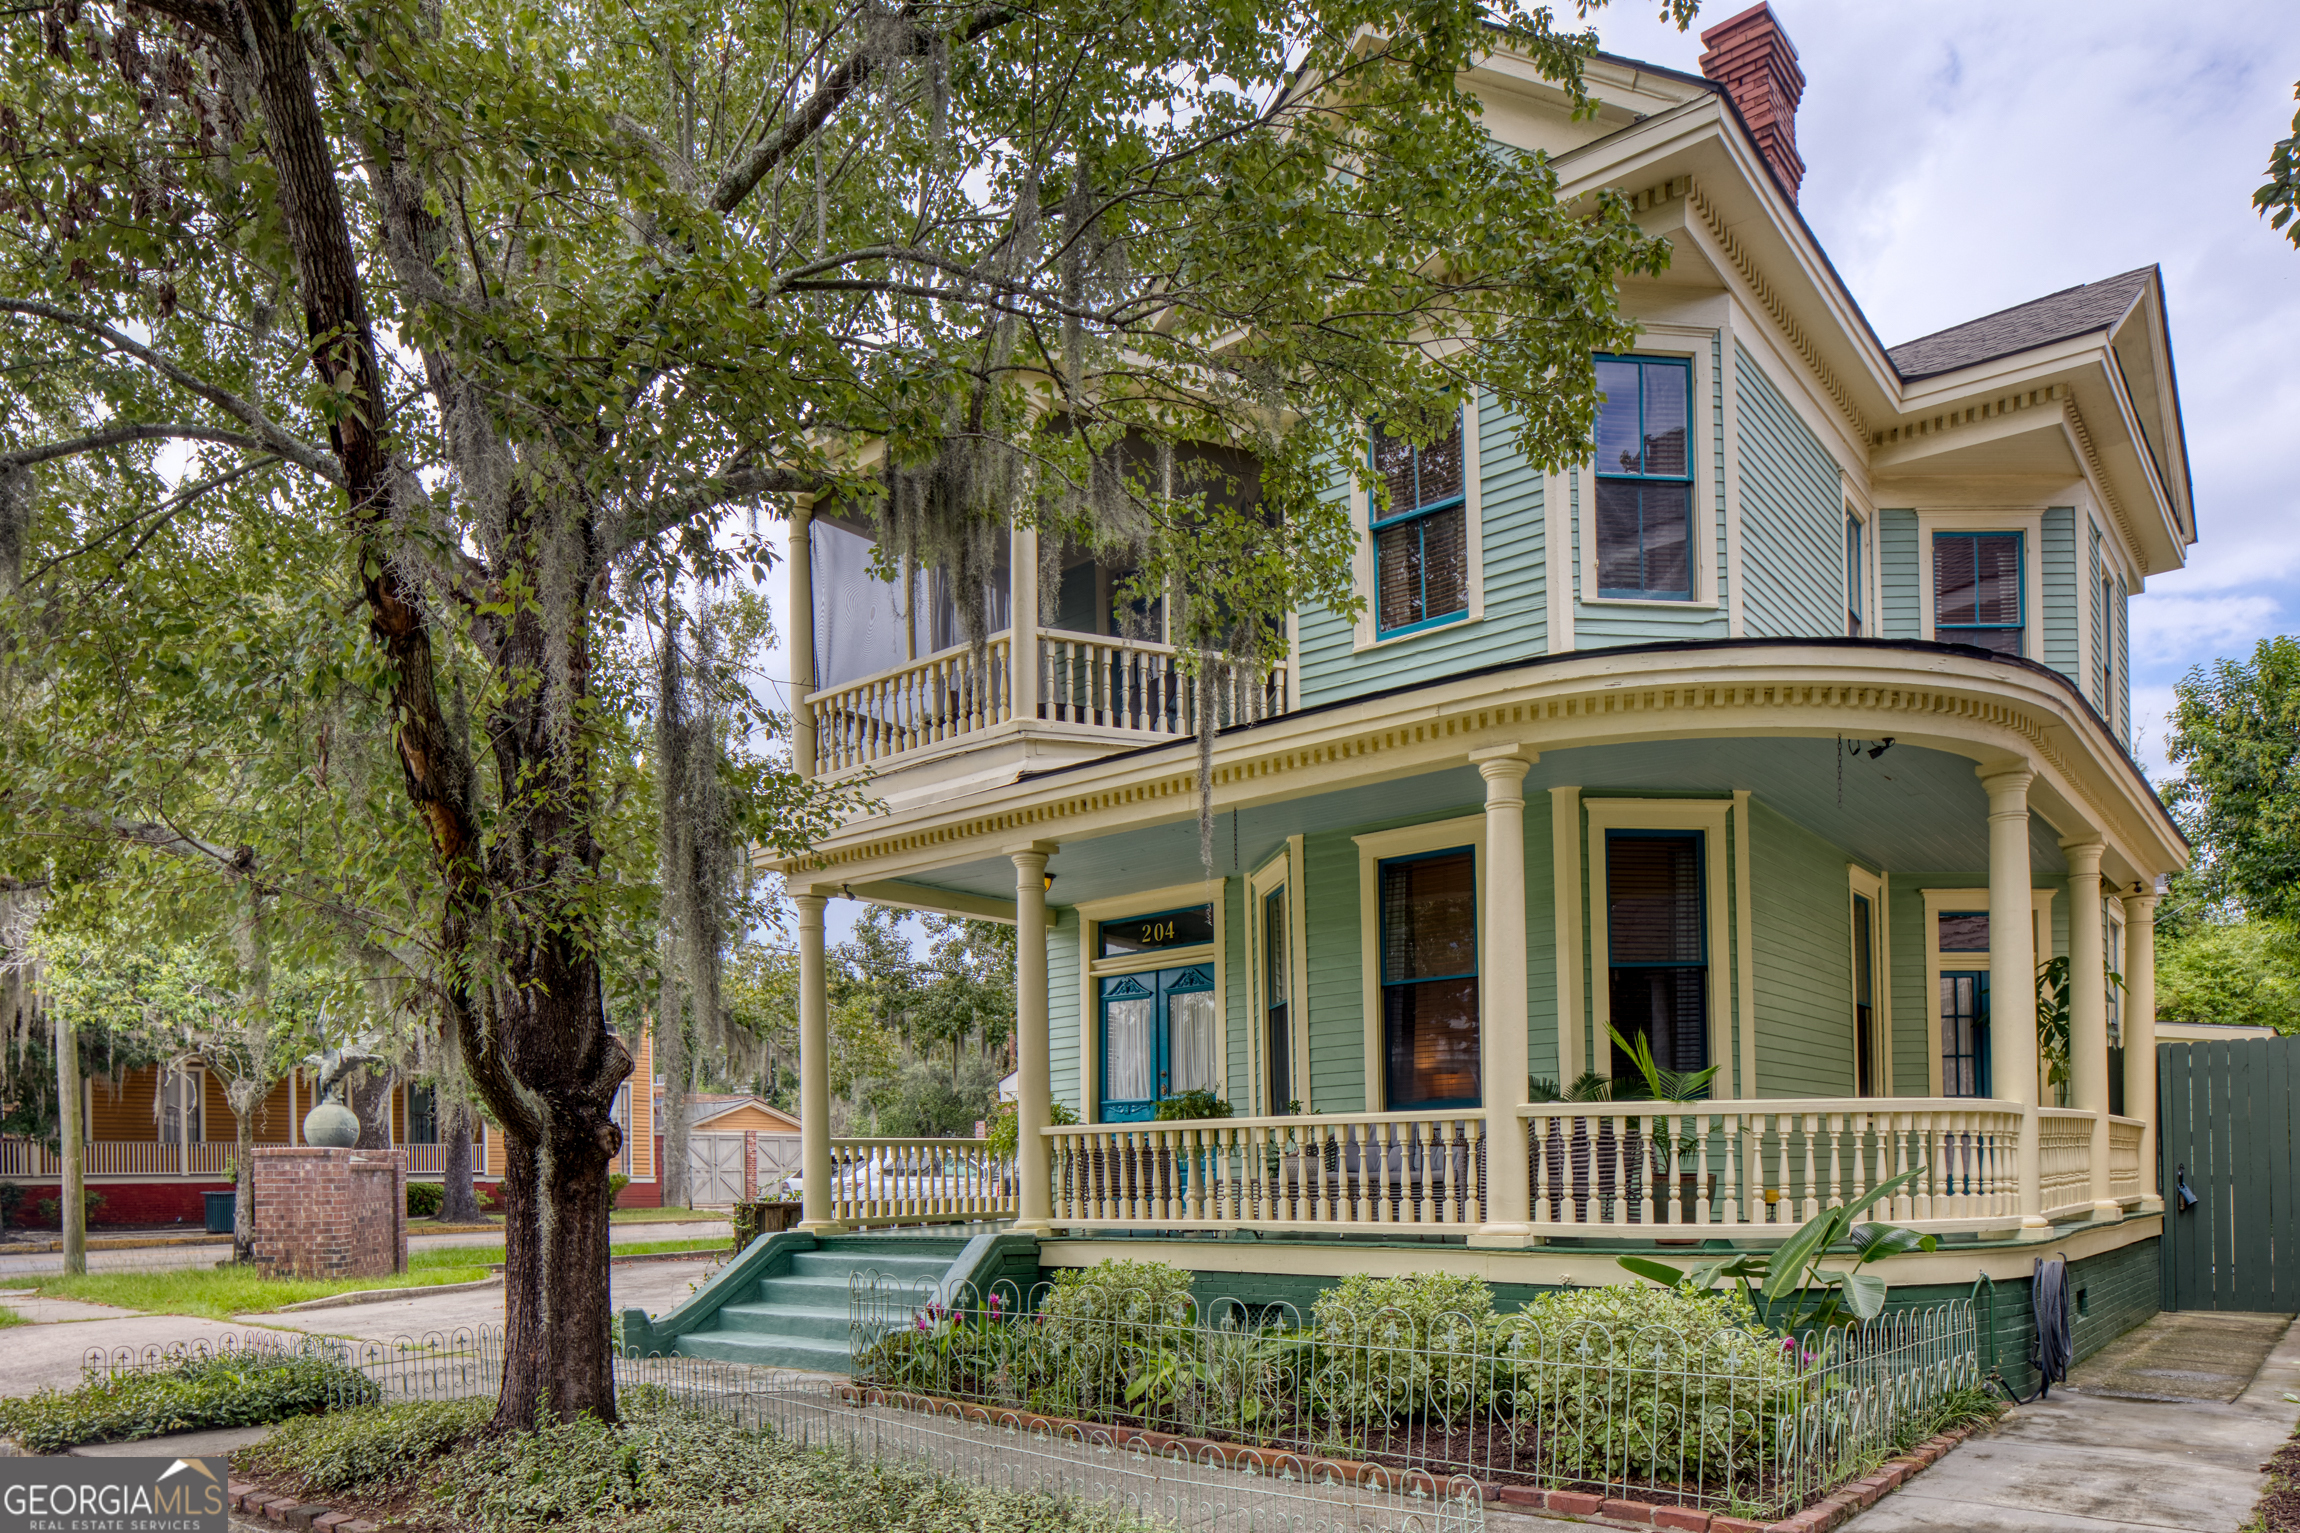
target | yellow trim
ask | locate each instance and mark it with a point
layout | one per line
(1967, 897)
(1281, 871)
(1405, 841)
(1706, 816)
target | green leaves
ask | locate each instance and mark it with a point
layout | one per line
(1798, 1292)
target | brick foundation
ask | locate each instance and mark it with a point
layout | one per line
(330, 1213)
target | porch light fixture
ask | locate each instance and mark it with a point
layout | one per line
(1049, 885)
(1880, 747)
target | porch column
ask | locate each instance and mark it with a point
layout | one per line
(2088, 1010)
(814, 1071)
(799, 634)
(1508, 1189)
(1022, 607)
(2012, 979)
(1034, 1080)
(2140, 1034)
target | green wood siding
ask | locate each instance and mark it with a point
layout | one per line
(1062, 1008)
(2097, 605)
(2061, 596)
(1802, 940)
(1238, 1028)
(1334, 986)
(1516, 620)
(1914, 1031)
(1792, 516)
(1899, 591)
(1540, 941)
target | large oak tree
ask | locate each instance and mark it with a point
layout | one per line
(554, 301)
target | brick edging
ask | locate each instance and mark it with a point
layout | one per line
(252, 1500)
(1616, 1511)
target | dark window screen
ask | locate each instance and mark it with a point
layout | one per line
(1429, 979)
(1865, 1043)
(1274, 992)
(1976, 589)
(1656, 947)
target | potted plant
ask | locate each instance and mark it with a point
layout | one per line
(1190, 1107)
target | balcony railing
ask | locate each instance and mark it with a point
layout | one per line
(1129, 689)
(1617, 1170)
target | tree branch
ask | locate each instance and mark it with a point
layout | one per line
(740, 480)
(818, 109)
(162, 512)
(297, 451)
(117, 436)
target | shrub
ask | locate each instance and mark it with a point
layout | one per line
(1678, 1383)
(11, 1199)
(1388, 1348)
(1100, 1327)
(377, 1451)
(51, 1210)
(1191, 1106)
(1005, 1130)
(234, 1389)
(615, 1186)
(424, 1199)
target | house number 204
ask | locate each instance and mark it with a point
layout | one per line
(1157, 931)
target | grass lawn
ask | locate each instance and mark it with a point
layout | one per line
(9, 1317)
(666, 1215)
(219, 1293)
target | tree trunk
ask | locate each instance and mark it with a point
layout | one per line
(71, 1197)
(672, 1056)
(244, 1171)
(370, 1098)
(460, 1205)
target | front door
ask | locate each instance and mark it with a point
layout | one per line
(1158, 1040)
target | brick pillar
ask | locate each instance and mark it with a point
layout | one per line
(750, 1165)
(322, 1213)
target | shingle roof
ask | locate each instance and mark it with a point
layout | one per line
(2039, 322)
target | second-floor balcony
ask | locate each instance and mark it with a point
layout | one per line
(1076, 688)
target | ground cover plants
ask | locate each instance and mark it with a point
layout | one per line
(665, 1466)
(1680, 1394)
(234, 1389)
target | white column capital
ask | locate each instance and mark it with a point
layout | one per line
(2084, 854)
(1504, 779)
(2007, 787)
(2142, 907)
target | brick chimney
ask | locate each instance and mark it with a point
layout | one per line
(1757, 64)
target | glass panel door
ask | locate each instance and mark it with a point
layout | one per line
(1965, 1033)
(1161, 1037)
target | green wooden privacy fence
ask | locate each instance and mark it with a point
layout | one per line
(2229, 1131)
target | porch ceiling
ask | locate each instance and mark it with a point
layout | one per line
(1911, 810)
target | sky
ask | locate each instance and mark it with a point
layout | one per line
(1966, 155)
(1963, 156)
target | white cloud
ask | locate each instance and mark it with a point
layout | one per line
(2169, 630)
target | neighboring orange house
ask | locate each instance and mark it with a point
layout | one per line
(155, 1145)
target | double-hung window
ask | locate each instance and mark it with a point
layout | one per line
(1852, 576)
(1429, 979)
(1644, 479)
(1421, 541)
(1656, 935)
(1977, 589)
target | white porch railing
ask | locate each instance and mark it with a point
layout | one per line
(1769, 1164)
(947, 694)
(919, 1181)
(156, 1160)
(2124, 1179)
(2064, 1141)
(431, 1159)
(1337, 1170)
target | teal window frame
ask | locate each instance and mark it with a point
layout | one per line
(2019, 627)
(1420, 513)
(1386, 983)
(1648, 593)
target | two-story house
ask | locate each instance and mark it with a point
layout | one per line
(1787, 735)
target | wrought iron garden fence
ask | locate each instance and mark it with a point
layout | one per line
(1727, 1416)
(1205, 1491)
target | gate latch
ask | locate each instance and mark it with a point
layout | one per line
(2187, 1199)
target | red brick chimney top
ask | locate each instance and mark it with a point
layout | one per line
(1754, 60)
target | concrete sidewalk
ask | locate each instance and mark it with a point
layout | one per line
(2091, 1463)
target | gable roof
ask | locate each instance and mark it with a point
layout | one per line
(2057, 316)
(709, 1106)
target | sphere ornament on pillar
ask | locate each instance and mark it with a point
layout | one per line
(331, 1126)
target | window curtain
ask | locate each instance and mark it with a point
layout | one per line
(1429, 979)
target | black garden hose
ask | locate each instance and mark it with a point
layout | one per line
(2055, 1345)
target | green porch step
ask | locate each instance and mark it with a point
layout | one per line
(798, 1311)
